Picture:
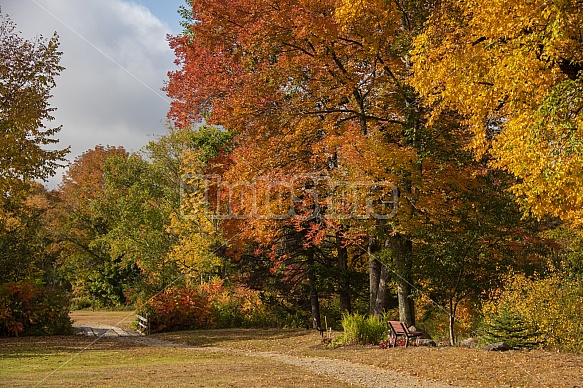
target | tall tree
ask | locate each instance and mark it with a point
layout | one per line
(297, 84)
(318, 95)
(27, 75)
(136, 205)
(27, 245)
(81, 225)
(199, 246)
(465, 253)
(28, 69)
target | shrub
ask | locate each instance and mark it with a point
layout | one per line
(178, 309)
(548, 310)
(362, 330)
(229, 306)
(28, 308)
(80, 303)
(510, 328)
(209, 305)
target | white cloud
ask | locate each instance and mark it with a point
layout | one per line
(116, 58)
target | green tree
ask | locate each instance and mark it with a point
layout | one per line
(137, 210)
(80, 226)
(464, 254)
(28, 69)
(27, 75)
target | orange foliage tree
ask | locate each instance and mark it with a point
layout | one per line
(300, 88)
(317, 91)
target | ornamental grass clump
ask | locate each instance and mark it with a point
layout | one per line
(363, 330)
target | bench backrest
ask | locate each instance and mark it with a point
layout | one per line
(398, 327)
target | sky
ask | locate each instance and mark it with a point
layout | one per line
(116, 60)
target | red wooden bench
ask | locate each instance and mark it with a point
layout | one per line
(399, 329)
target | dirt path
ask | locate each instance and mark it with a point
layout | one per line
(345, 371)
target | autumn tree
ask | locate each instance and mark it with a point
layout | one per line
(85, 257)
(318, 95)
(301, 82)
(513, 71)
(126, 222)
(315, 88)
(194, 222)
(28, 69)
(27, 246)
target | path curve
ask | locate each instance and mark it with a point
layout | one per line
(341, 370)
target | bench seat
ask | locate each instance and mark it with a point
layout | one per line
(399, 329)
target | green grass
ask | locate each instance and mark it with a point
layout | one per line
(25, 362)
(59, 362)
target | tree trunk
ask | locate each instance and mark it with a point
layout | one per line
(452, 311)
(374, 275)
(382, 300)
(401, 249)
(344, 278)
(378, 276)
(314, 300)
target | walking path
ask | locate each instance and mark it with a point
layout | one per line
(345, 371)
(98, 330)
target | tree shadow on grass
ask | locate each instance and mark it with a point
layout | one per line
(18, 347)
(219, 336)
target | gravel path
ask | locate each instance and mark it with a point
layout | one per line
(354, 374)
(345, 371)
(98, 330)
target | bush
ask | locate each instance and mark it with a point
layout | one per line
(362, 330)
(80, 303)
(27, 308)
(178, 309)
(507, 327)
(548, 311)
(209, 305)
(234, 306)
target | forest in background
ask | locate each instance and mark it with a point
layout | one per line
(419, 160)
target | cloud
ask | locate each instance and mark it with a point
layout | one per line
(116, 59)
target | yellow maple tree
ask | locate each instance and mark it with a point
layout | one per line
(513, 71)
(196, 229)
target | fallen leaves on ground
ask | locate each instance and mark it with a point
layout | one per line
(454, 365)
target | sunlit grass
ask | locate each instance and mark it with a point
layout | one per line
(110, 362)
(59, 361)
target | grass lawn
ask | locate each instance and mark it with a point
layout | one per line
(79, 361)
(57, 362)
